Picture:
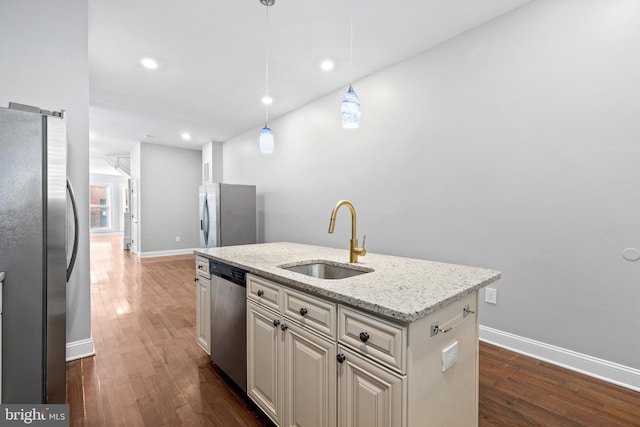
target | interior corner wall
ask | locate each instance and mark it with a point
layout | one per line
(513, 146)
(212, 156)
(206, 163)
(168, 180)
(135, 199)
(55, 76)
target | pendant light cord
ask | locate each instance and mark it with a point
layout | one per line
(266, 68)
(351, 41)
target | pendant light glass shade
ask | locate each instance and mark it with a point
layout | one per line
(350, 112)
(266, 140)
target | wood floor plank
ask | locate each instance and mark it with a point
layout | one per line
(519, 390)
(149, 371)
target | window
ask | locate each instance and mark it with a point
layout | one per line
(99, 207)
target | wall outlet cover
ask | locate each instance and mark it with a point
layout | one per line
(449, 355)
(491, 295)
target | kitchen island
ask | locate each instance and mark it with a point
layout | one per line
(394, 346)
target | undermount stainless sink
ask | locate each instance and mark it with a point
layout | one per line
(326, 269)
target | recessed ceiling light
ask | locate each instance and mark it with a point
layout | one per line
(186, 136)
(267, 100)
(149, 63)
(327, 65)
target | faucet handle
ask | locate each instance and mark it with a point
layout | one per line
(362, 251)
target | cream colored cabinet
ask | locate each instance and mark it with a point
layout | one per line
(291, 369)
(309, 378)
(371, 376)
(315, 363)
(369, 395)
(203, 304)
(264, 360)
(381, 340)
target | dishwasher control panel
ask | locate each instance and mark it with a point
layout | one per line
(229, 272)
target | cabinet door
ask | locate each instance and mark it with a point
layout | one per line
(309, 379)
(203, 312)
(264, 360)
(369, 395)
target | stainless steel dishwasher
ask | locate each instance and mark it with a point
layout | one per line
(229, 321)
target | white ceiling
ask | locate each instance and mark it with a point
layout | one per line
(211, 76)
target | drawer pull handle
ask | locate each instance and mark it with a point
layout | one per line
(260, 292)
(284, 327)
(201, 267)
(195, 279)
(364, 337)
(341, 358)
(276, 322)
(303, 311)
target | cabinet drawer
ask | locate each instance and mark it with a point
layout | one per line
(263, 291)
(312, 312)
(381, 340)
(202, 266)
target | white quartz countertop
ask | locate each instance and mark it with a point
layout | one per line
(405, 289)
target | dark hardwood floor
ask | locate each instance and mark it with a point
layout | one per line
(516, 390)
(148, 370)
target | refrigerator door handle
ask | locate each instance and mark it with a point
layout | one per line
(205, 219)
(76, 227)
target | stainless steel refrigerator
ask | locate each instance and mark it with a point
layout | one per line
(227, 215)
(34, 253)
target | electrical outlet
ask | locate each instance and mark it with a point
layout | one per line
(177, 238)
(491, 295)
(449, 356)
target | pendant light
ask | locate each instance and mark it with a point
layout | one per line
(265, 140)
(350, 111)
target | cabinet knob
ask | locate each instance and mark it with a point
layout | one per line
(276, 322)
(364, 337)
(195, 279)
(341, 358)
(284, 327)
(303, 311)
(260, 292)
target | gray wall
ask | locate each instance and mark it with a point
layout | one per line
(44, 62)
(212, 156)
(168, 180)
(514, 146)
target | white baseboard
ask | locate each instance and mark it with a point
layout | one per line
(165, 253)
(80, 349)
(598, 368)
